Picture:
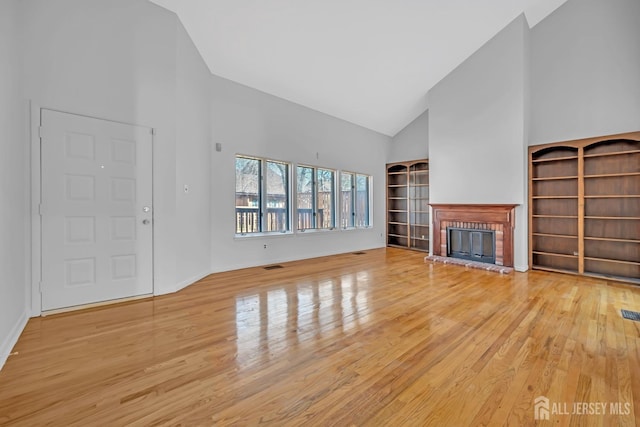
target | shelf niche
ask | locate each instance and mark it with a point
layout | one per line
(584, 207)
(408, 204)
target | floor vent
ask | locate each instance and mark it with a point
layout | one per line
(359, 253)
(632, 315)
(273, 267)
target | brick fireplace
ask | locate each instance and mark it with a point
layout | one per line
(498, 218)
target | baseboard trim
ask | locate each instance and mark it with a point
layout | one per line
(10, 341)
(262, 263)
(521, 268)
(93, 305)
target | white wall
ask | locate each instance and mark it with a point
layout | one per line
(193, 154)
(118, 60)
(477, 125)
(14, 193)
(246, 121)
(412, 142)
(585, 75)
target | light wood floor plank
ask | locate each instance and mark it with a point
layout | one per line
(376, 339)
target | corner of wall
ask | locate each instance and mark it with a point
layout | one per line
(10, 340)
(191, 281)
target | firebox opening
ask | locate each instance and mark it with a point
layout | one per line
(471, 244)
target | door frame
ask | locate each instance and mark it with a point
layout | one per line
(36, 198)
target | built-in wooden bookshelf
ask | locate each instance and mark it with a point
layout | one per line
(408, 204)
(584, 206)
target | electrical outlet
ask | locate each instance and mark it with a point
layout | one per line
(265, 246)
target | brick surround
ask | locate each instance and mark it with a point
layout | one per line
(499, 218)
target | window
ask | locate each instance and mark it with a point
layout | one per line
(324, 199)
(316, 198)
(362, 201)
(347, 214)
(325, 194)
(262, 195)
(354, 193)
(247, 195)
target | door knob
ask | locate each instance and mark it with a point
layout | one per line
(145, 221)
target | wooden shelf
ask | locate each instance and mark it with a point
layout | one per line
(556, 159)
(601, 239)
(554, 254)
(611, 175)
(617, 153)
(555, 270)
(617, 261)
(614, 196)
(609, 239)
(555, 178)
(614, 217)
(564, 236)
(555, 216)
(554, 197)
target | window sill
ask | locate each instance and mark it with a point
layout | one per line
(277, 234)
(357, 228)
(328, 230)
(269, 234)
(316, 230)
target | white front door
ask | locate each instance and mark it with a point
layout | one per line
(96, 210)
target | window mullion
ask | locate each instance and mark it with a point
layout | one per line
(354, 197)
(368, 200)
(333, 199)
(314, 197)
(261, 197)
(288, 198)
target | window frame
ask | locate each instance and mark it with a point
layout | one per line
(354, 201)
(351, 215)
(263, 196)
(292, 218)
(314, 199)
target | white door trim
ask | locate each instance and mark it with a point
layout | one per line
(36, 193)
(36, 235)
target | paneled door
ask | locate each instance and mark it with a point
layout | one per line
(96, 210)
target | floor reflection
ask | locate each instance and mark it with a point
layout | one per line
(274, 321)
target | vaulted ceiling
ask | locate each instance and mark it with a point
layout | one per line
(370, 62)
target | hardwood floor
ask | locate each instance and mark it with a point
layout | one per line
(374, 339)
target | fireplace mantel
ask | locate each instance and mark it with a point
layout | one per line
(502, 216)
